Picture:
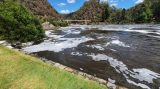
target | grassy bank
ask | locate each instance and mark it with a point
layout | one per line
(19, 71)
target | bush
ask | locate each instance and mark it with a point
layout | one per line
(18, 24)
(58, 23)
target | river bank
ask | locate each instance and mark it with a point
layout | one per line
(109, 84)
(22, 71)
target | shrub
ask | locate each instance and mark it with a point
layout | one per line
(18, 24)
(58, 23)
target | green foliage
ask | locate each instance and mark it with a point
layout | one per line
(142, 14)
(92, 10)
(123, 17)
(58, 23)
(105, 13)
(146, 12)
(40, 8)
(17, 24)
(115, 15)
(156, 10)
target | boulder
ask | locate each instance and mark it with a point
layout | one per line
(48, 26)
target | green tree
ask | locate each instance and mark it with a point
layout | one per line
(123, 14)
(142, 13)
(17, 24)
(105, 13)
(156, 10)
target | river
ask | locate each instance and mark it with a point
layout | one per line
(126, 55)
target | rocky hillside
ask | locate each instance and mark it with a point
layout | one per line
(91, 10)
(96, 11)
(41, 8)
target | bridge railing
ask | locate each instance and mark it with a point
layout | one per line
(85, 21)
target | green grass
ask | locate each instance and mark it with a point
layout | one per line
(20, 71)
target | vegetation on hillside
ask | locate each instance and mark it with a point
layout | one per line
(19, 71)
(91, 10)
(44, 11)
(145, 12)
(58, 23)
(41, 8)
(18, 24)
(141, 13)
(156, 10)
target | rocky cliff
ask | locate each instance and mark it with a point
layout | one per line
(41, 8)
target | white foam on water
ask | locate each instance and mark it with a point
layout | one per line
(141, 74)
(138, 84)
(79, 53)
(99, 47)
(145, 75)
(111, 83)
(153, 36)
(129, 29)
(71, 31)
(113, 50)
(76, 54)
(118, 43)
(123, 28)
(59, 44)
(2, 42)
(50, 34)
(63, 43)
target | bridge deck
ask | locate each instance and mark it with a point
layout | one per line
(77, 20)
(84, 21)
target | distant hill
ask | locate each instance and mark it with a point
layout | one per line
(96, 11)
(41, 8)
(91, 10)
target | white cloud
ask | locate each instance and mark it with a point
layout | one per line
(71, 1)
(104, 1)
(114, 4)
(64, 11)
(139, 1)
(61, 4)
(114, 1)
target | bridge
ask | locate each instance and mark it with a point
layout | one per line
(78, 21)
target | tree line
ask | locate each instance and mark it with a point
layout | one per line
(146, 12)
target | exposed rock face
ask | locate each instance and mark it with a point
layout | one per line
(47, 26)
(41, 8)
(91, 10)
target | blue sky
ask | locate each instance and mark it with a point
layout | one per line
(68, 6)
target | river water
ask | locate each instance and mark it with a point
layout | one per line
(126, 55)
